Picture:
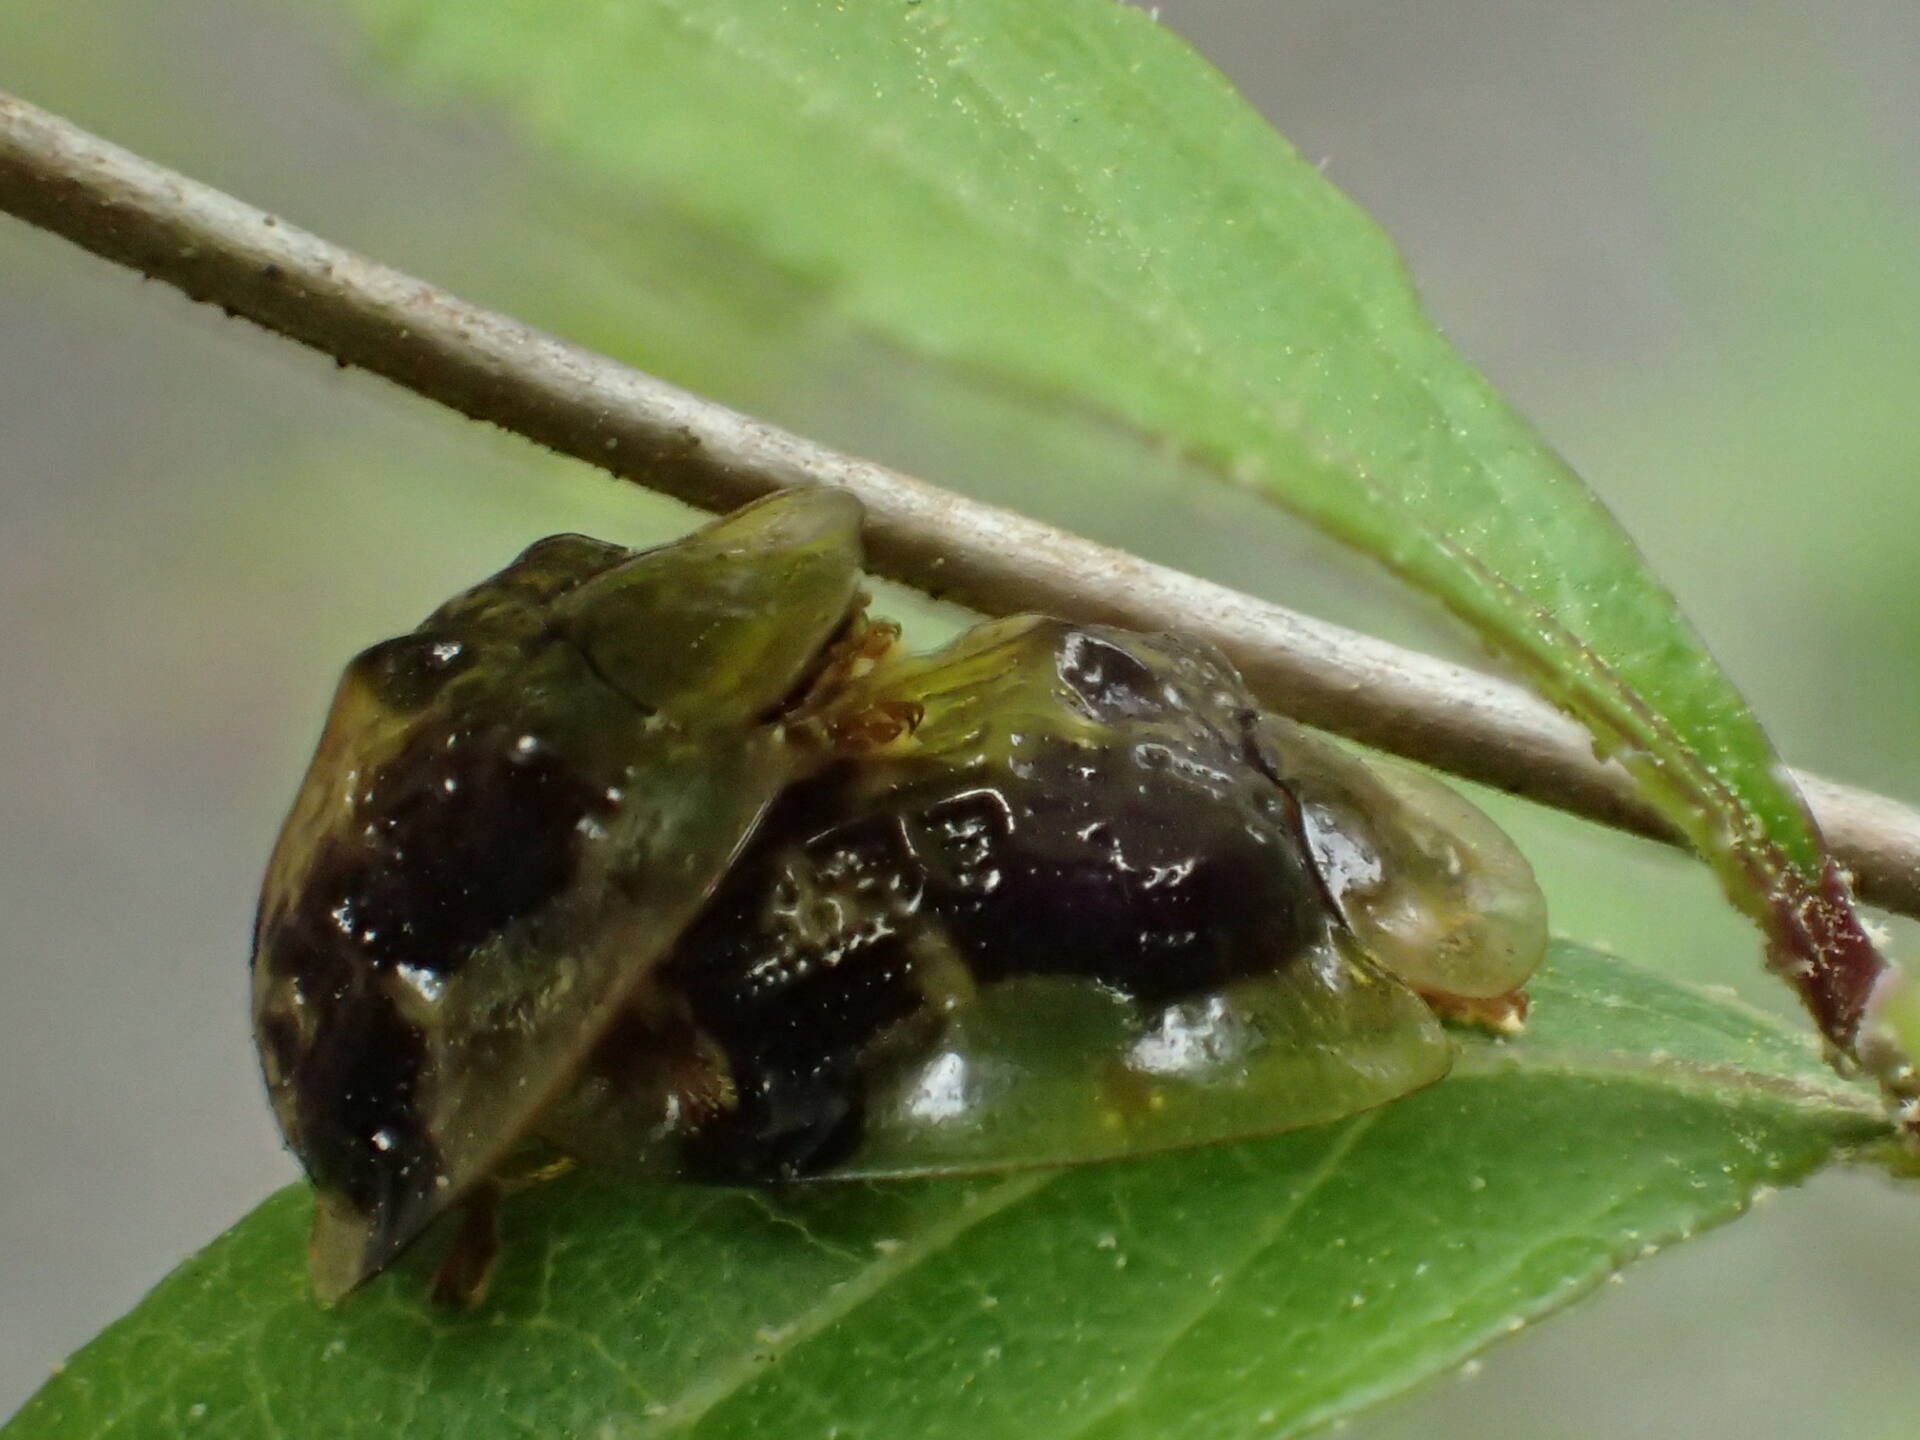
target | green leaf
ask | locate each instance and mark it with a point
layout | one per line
(1064, 199)
(1250, 1289)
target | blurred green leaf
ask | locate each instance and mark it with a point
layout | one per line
(1252, 1289)
(1068, 201)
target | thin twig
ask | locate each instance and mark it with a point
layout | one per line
(493, 368)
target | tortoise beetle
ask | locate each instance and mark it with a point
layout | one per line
(676, 861)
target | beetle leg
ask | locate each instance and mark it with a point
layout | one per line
(465, 1270)
(877, 726)
(1498, 1014)
(863, 644)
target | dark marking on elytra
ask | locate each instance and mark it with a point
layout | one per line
(1139, 879)
(455, 838)
(352, 1065)
(1093, 864)
(357, 1107)
(792, 1006)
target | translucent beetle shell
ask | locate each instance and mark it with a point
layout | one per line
(675, 861)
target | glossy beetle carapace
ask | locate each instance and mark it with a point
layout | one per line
(677, 862)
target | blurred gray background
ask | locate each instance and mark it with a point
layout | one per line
(1682, 235)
